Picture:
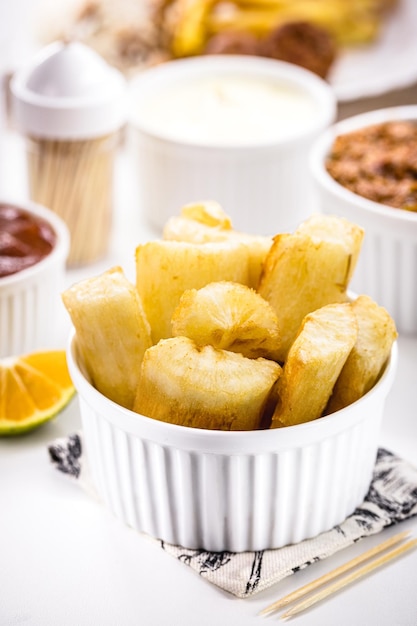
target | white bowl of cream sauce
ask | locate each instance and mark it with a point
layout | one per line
(233, 129)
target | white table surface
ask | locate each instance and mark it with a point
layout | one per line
(66, 561)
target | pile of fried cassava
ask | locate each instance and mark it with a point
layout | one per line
(231, 331)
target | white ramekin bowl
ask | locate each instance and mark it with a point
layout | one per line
(30, 299)
(232, 491)
(265, 187)
(387, 266)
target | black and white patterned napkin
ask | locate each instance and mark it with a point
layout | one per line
(392, 498)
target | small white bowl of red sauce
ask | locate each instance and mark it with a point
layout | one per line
(34, 244)
(365, 169)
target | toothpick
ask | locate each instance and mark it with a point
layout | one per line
(298, 593)
(350, 578)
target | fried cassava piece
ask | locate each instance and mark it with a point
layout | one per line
(112, 332)
(203, 222)
(376, 334)
(229, 316)
(308, 269)
(165, 269)
(204, 387)
(313, 364)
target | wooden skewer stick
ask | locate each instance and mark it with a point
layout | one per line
(302, 591)
(346, 580)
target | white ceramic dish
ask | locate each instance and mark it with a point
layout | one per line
(270, 175)
(30, 299)
(387, 266)
(233, 491)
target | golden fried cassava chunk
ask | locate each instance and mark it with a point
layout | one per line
(112, 332)
(308, 269)
(229, 316)
(206, 221)
(314, 362)
(165, 269)
(204, 387)
(199, 222)
(207, 212)
(376, 334)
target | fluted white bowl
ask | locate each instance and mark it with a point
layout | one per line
(232, 491)
(387, 265)
(30, 299)
(264, 186)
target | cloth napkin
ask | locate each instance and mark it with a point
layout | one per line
(392, 498)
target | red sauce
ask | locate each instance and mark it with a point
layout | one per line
(25, 239)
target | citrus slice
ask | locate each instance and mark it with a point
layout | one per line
(34, 388)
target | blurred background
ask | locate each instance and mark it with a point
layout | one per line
(366, 49)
